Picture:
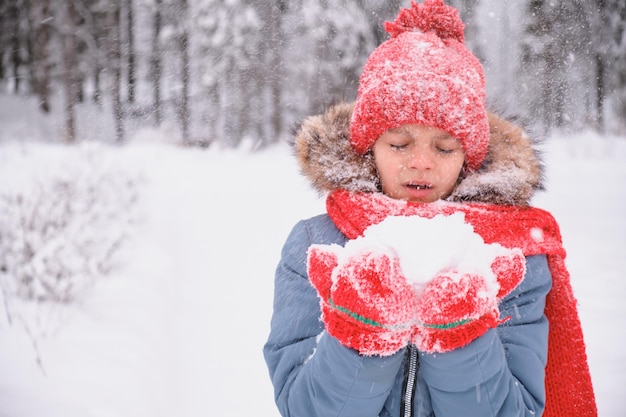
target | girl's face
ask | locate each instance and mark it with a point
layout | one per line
(418, 163)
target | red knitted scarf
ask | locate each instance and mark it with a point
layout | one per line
(568, 383)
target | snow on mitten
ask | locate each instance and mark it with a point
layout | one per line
(366, 302)
(509, 267)
(456, 308)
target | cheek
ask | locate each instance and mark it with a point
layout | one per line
(456, 165)
(452, 171)
(385, 164)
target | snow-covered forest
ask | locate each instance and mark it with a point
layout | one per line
(147, 185)
(229, 71)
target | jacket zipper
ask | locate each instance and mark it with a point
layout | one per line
(410, 381)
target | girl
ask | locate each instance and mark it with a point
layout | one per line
(351, 335)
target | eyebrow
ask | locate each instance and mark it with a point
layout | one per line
(400, 129)
(445, 136)
(406, 131)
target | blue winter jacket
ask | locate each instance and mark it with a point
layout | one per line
(499, 374)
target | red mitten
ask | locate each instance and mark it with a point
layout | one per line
(366, 302)
(456, 308)
(509, 268)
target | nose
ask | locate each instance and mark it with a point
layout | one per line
(421, 159)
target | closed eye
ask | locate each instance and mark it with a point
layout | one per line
(446, 145)
(445, 151)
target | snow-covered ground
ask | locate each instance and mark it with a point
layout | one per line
(178, 327)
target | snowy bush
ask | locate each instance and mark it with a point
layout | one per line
(62, 223)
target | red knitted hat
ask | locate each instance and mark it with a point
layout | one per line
(424, 75)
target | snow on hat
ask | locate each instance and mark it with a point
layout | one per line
(424, 75)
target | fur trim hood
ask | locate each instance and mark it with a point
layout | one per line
(510, 174)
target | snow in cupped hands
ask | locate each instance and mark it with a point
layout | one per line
(426, 247)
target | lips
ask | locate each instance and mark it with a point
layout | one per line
(419, 192)
(419, 186)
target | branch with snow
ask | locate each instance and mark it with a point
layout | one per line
(61, 227)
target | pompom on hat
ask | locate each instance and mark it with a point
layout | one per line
(423, 75)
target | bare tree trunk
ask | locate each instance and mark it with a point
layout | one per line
(600, 92)
(3, 46)
(40, 33)
(130, 34)
(183, 110)
(114, 59)
(15, 58)
(155, 62)
(97, 88)
(547, 88)
(274, 73)
(600, 63)
(69, 73)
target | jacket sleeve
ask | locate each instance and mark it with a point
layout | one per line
(502, 372)
(312, 373)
